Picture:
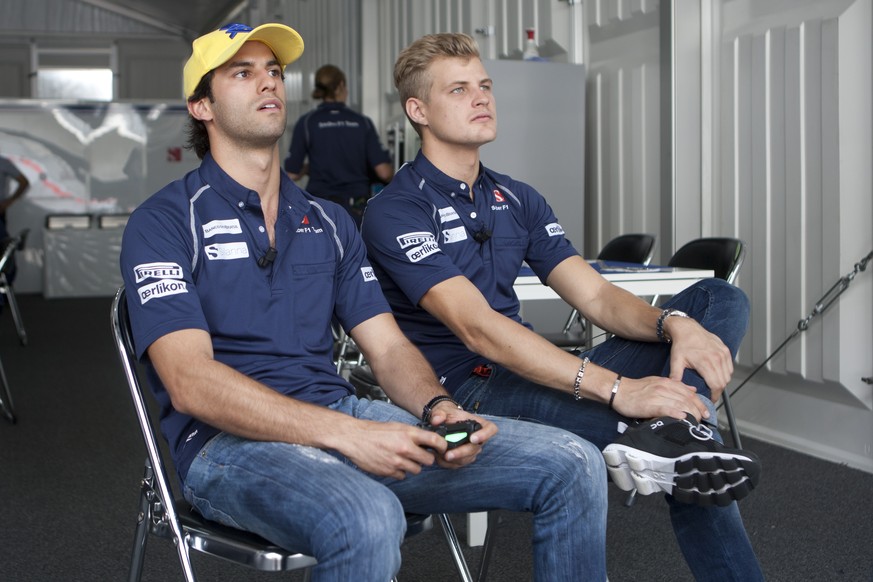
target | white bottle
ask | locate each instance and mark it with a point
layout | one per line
(531, 53)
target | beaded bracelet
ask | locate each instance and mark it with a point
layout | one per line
(579, 375)
(615, 386)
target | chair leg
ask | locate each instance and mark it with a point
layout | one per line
(732, 423)
(140, 538)
(6, 397)
(488, 548)
(455, 547)
(6, 289)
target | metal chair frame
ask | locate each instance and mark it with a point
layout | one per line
(7, 254)
(162, 514)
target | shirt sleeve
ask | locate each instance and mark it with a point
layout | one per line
(402, 238)
(376, 153)
(548, 245)
(297, 150)
(10, 169)
(359, 296)
(156, 266)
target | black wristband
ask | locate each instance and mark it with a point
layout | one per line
(425, 413)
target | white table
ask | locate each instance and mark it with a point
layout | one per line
(639, 280)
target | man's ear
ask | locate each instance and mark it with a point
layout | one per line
(416, 110)
(201, 109)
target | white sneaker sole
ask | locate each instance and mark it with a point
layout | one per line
(701, 478)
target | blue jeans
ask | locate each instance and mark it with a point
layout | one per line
(317, 502)
(712, 539)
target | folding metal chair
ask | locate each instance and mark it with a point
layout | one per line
(7, 263)
(163, 515)
(8, 247)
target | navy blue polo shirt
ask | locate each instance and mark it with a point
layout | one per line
(189, 259)
(423, 229)
(343, 147)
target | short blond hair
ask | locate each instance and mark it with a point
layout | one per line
(411, 75)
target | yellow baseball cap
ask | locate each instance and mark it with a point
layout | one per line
(216, 48)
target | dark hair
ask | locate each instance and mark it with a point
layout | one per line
(198, 139)
(328, 79)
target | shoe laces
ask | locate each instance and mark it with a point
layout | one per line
(697, 430)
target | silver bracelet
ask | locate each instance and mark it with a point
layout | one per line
(615, 386)
(579, 375)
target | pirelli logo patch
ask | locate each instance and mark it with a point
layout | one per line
(423, 245)
(554, 229)
(157, 271)
(161, 288)
(414, 238)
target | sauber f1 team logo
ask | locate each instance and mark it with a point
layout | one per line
(157, 271)
(498, 197)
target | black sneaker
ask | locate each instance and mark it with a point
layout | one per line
(680, 457)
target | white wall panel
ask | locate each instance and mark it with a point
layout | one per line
(797, 84)
(623, 126)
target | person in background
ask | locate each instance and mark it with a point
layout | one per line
(342, 147)
(9, 172)
(447, 238)
(233, 276)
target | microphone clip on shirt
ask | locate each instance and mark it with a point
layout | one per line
(482, 235)
(268, 257)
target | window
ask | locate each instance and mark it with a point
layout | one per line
(74, 73)
(91, 84)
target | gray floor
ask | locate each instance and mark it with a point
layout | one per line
(69, 473)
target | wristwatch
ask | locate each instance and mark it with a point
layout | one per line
(664, 315)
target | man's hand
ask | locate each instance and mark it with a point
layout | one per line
(704, 352)
(392, 449)
(654, 396)
(465, 454)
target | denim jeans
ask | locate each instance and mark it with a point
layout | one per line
(315, 501)
(712, 539)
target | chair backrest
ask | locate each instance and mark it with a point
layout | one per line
(124, 345)
(629, 248)
(723, 255)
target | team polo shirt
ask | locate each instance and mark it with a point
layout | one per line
(343, 147)
(189, 259)
(423, 229)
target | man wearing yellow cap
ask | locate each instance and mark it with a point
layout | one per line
(234, 275)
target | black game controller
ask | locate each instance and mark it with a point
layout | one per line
(456, 434)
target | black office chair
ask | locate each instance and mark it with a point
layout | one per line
(163, 515)
(627, 248)
(724, 255)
